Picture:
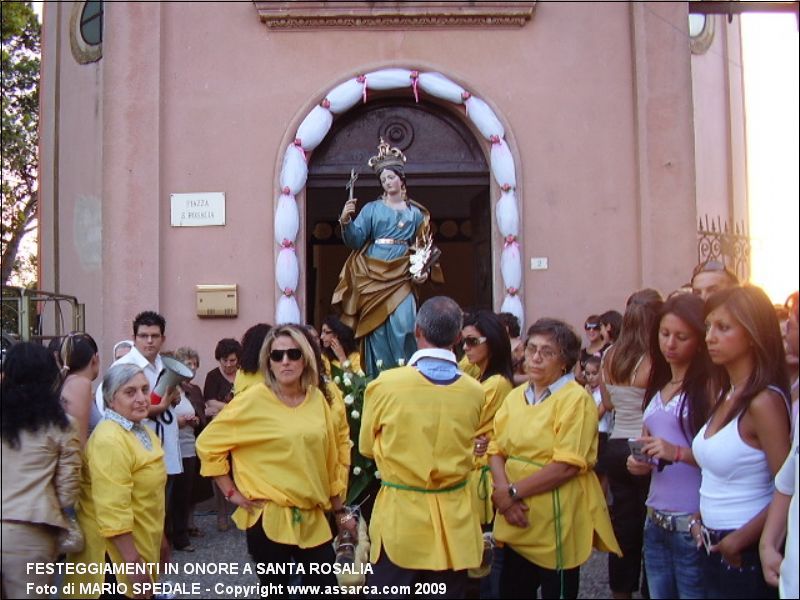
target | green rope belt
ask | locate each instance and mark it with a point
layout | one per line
(411, 488)
(297, 516)
(556, 521)
(483, 491)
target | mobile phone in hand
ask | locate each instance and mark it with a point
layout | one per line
(637, 451)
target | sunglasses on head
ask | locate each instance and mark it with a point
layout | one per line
(471, 342)
(292, 353)
(592, 327)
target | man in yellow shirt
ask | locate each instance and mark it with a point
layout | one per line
(419, 424)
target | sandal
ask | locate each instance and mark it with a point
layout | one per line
(222, 525)
(195, 532)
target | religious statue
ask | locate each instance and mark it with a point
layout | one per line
(393, 252)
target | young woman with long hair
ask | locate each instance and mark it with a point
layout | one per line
(744, 442)
(677, 403)
(487, 346)
(625, 373)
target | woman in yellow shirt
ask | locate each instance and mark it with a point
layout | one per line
(121, 504)
(552, 510)
(281, 440)
(339, 348)
(487, 347)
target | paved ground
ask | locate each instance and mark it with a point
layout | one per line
(216, 549)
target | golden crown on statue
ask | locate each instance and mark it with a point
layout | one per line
(387, 158)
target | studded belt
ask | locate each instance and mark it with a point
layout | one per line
(389, 241)
(669, 521)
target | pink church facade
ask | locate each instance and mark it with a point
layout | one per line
(621, 138)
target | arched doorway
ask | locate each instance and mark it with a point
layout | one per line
(447, 172)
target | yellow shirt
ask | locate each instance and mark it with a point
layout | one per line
(562, 428)
(244, 380)
(342, 428)
(353, 357)
(467, 367)
(495, 389)
(284, 456)
(421, 435)
(122, 491)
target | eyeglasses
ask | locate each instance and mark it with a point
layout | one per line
(292, 353)
(148, 336)
(545, 352)
(471, 342)
(592, 327)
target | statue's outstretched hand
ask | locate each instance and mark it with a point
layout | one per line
(348, 211)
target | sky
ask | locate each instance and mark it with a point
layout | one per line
(770, 59)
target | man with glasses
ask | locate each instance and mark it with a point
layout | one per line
(148, 338)
(712, 276)
(419, 424)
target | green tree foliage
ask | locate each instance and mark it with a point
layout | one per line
(21, 33)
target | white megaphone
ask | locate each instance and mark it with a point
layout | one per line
(174, 372)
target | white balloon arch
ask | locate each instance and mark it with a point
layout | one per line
(315, 127)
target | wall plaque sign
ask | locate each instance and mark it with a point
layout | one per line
(200, 209)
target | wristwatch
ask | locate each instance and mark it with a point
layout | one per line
(512, 491)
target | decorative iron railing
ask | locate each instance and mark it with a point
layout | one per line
(727, 243)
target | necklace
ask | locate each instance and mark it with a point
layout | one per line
(676, 381)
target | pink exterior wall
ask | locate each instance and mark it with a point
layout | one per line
(70, 176)
(717, 91)
(197, 97)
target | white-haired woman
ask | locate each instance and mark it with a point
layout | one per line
(121, 503)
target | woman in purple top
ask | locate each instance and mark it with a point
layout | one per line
(677, 402)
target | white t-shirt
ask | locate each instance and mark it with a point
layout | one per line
(186, 435)
(787, 482)
(605, 423)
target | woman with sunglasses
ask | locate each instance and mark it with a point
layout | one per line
(625, 373)
(486, 345)
(676, 407)
(281, 440)
(595, 347)
(552, 510)
(339, 348)
(744, 442)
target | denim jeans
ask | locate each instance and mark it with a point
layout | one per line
(747, 581)
(673, 563)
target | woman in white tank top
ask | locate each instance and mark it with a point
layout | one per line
(745, 441)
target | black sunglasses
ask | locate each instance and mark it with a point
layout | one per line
(592, 327)
(292, 353)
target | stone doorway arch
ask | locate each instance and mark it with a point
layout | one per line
(447, 172)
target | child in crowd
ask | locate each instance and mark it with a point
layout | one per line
(591, 374)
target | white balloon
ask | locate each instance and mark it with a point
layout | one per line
(287, 311)
(294, 170)
(511, 266)
(388, 79)
(440, 86)
(512, 304)
(314, 127)
(287, 270)
(287, 220)
(345, 96)
(507, 214)
(503, 164)
(484, 118)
